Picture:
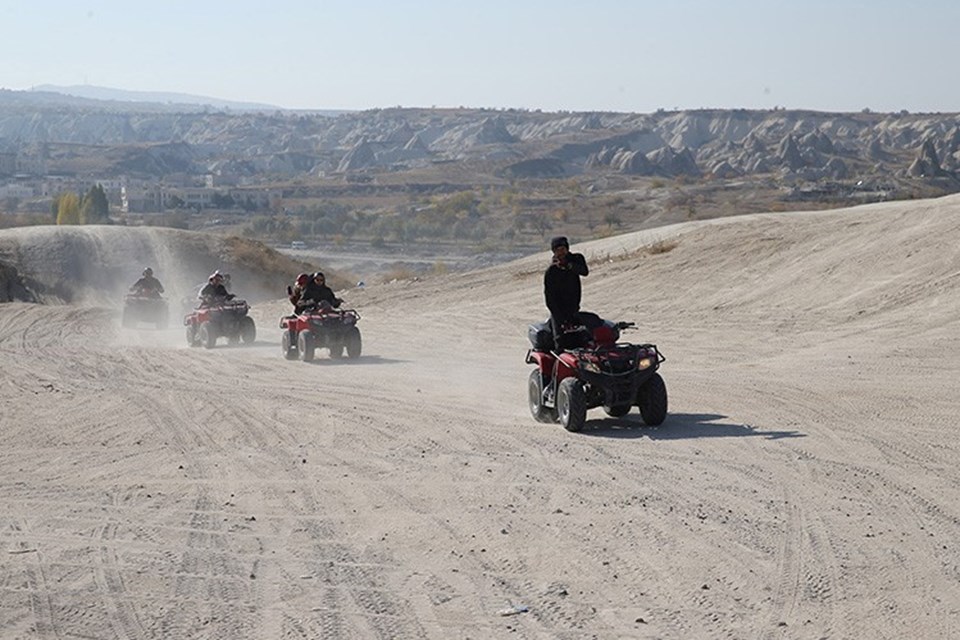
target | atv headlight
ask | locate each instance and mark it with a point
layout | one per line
(644, 363)
(590, 366)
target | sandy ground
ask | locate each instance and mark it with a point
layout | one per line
(804, 485)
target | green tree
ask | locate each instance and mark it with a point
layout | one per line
(95, 209)
(68, 208)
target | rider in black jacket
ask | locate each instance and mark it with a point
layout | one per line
(147, 285)
(561, 286)
(214, 292)
(317, 291)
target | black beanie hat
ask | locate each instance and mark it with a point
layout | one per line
(559, 241)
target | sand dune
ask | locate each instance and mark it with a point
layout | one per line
(804, 485)
(97, 264)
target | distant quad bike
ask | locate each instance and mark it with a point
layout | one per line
(592, 370)
(224, 319)
(142, 307)
(321, 327)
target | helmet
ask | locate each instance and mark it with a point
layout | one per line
(559, 241)
(318, 274)
(302, 279)
(147, 272)
(216, 277)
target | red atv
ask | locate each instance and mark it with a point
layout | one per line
(224, 318)
(592, 370)
(320, 327)
(142, 306)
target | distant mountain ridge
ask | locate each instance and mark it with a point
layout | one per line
(121, 95)
(45, 132)
(92, 92)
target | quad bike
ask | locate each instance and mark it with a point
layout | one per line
(593, 369)
(143, 307)
(224, 318)
(320, 326)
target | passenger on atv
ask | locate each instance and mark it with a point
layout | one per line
(294, 292)
(147, 286)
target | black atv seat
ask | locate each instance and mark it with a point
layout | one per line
(540, 336)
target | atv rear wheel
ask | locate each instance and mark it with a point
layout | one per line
(336, 350)
(306, 346)
(248, 330)
(571, 404)
(652, 400)
(535, 392)
(618, 411)
(289, 345)
(354, 344)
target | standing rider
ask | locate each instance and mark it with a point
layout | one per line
(147, 285)
(561, 286)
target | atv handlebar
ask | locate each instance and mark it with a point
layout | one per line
(626, 325)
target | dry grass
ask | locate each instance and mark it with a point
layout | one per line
(256, 256)
(399, 273)
(662, 246)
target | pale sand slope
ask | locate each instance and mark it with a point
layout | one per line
(805, 484)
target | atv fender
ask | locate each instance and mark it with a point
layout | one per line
(544, 361)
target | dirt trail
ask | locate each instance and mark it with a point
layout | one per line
(804, 485)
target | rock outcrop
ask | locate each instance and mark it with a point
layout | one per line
(12, 286)
(926, 164)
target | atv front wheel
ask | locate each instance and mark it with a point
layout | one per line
(571, 404)
(192, 340)
(353, 343)
(208, 335)
(652, 400)
(289, 345)
(535, 391)
(306, 346)
(248, 330)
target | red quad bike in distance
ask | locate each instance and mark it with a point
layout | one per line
(593, 370)
(321, 327)
(227, 318)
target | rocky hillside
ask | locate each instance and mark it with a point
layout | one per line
(724, 144)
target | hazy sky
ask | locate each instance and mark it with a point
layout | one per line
(616, 55)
